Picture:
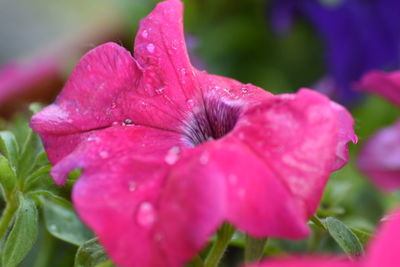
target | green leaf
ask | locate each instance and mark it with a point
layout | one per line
(62, 221)
(91, 254)
(108, 263)
(344, 237)
(39, 173)
(7, 176)
(9, 147)
(29, 155)
(23, 234)
(362, 235)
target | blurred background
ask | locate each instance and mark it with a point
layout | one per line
(279, 45)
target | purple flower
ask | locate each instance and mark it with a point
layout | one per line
(359, 35)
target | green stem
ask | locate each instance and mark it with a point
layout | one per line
(315, 240)
(254, 249)
(7, 217)
(46, 250)
(317, 221)
(224, 236)
(196, 262)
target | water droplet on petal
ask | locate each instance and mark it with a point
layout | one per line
(245, 90)
(233, 179)
(115, 123)
(127, 122)
(146, 214)
(183, 71)
(158, 236)
(132, 186)
(241, 192)
(172, 155)
(145, 34)
(103, 154)
(150, 48)
(160, 90)
(204, 158)
(190, 103)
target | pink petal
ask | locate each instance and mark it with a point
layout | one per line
(345, 133)
(230, 91)
(94, 94)
(135, 140)
(384, 248)
(161, 52)
(31, 81)
(297, 137)
(379, 159)
(257, 202)
(144, 212)
(384, 84)
(89, 99)
(307, 262)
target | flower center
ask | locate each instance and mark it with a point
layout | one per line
(213, 121)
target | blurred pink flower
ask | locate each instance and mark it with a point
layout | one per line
(169, 152)
(24, 82)
(379, 159)
(383, 251)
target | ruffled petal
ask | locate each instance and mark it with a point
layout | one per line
(231, 91)
(90, 99)
(297, 137)
(161, 52)
(307, 262)
(379, 158)
(257, 202)
(384, 84)
(144, 212)
(346, 134)
(384, 248)
(113, 146)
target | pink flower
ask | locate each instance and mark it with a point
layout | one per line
(32, 81)
(383, 251)
(384, 84)
(379, 159)
(169, 152)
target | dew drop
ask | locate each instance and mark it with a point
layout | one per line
(150, 48)
(103, 154)
(145, 34)
(127, 122)
(233, 179)
(158, 237)
(190, 103)
(183, 71)
(115, 123)
(160, 90)
(146, 215)
(241, 192)
(204, 158)
(172, 155)
(245, 90)
(132, 186)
